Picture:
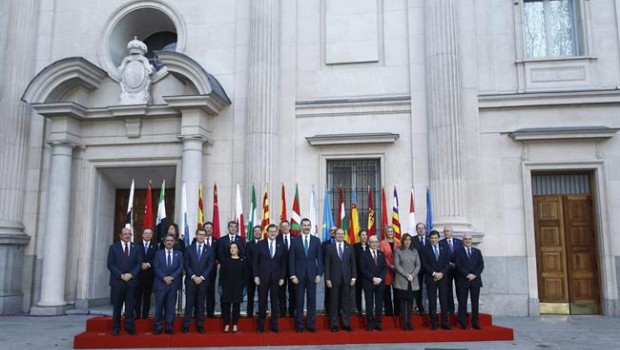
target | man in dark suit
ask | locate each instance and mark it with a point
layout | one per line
(306, 268)
(199, 262)
(324, 245)
(340, 276)
(451, 245)
(168, 266)
(373, 268)
(287, 291)
(419, 242)
(359, 248)
(212, 244)
(232, 236)
(250, 248)
(124, 263)
(469, 265)
(436, 265)
(145, 280)
(269, 269)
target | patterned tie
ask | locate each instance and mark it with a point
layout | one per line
(340, 250)
(169, 259)
(436, 252)
(126, 251)
(306, 244)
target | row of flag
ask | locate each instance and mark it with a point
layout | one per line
(349, 221)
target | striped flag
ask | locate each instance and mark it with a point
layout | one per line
(216, 214)
(283, 215)
(185, 221)
(266, 220)
(161, 223)
(296, 216)
(343, 219)
(384, 213)
(328, 219)
(395, 216)
(253, 217)
(201, 216)
(314, 230)
(354, 230)
(412, 214)
(129, 215)
(239, 214)
(372, 229)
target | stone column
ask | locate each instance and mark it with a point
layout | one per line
(263, 91)
(52, 300)
(18, 69)
(191, 174)
(445, 116)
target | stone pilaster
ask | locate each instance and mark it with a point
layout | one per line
(192, 174)
(445, 115)
(263, 91)
(19, 69)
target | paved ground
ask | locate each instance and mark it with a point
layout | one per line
(546, 332)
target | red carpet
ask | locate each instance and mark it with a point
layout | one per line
(98, 334)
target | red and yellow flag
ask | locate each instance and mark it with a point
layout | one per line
(201, 216)
(395, 216)
(283, 215)
(384, 212)
(216, 214)
(372, 229)
(266, 220)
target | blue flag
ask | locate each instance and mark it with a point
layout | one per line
(328, 219)
(429, 211)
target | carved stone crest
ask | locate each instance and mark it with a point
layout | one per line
(135, 74)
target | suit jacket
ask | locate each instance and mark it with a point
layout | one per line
(369, 270)
(407, 261)
(224, 244)
(161, 270)
(302, 266)
(264, 266)
(417, 243)
(340, 271)
(466, 265)
(199, 267)
(389, 258)
(147, 275)
(280, 239)
(456, 245)
(118, 265)
(358, 250)
(432, 265)
(215, 245)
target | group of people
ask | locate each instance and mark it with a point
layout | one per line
(286, 270)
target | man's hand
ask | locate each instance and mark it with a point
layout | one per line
(317, 279)
(146, 266)
(328, 283)
(376, 281)
(352, 282)
(438, 276)
(281, 282)
(126, 277)
(168, 280)
(471, 277)
(257, 281)
(409, 278)
(295, 280)
(197, 280)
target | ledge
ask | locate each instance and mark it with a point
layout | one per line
(352, 139)
(549, 99)
(585, 133)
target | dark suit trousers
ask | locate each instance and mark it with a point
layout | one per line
(271, 289)
(143, 298)
(374, 302)
(123, 294)
(450, 290)
(287, 291)
(340, 302)
(307, 289)
(358, 295)
(210, 293)
(251, 291)
(165, 300)
(461, 294)
(195, 298)
(418, 297)
(432, 288)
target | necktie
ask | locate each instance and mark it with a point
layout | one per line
(374, 256)
(199, 251)
(451, 246)
(169, 260)
(423, 241)
(469, 253)
(146, 247)
(271, 252)
(126, 251)
(436, 252)
(340, 250)
(306, 244)
(209, 243)
(286, 242)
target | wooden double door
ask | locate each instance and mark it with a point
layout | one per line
(566, 254)
(122, 201)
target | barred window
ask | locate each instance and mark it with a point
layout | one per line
(355, 175)
(550, 28)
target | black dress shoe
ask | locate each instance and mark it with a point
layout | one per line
(378, 327)
(260, 331)
(333, 329)
(201, 330)
(462, 325)
(275, 330)
(299, 330)
(347, 329)
(131, 332)
(115, 332)
(446, 327)
(185, 330)
(434, 327)
(311, 329)
(169, 331)
(476, 326)
(157, 332)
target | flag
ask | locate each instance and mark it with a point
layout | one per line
(328, 219)
(372, 230)
(266, 220)
(384, 213)
(185, 221)
(161, 222)
(341, 214)
(147, 220)
(395, 216)
(412, 214)
(283, 215)
(314, 228)
(216, 214)
(129, 216)
(253, 218)
(429, 211)
(201, 216)
(354, 230)
(343, 219)
(239, 213)
(296, 217)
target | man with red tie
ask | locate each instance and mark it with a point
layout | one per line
(124, 263)
(373, 268)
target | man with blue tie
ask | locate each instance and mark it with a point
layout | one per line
(168, 266)
(451, 245)
(469, 265)
(124, 263)
(340, 276)
(269, 269)
(146, 277)
(199, 262)
(306, 268)
(436, 265)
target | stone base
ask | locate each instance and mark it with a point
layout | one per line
(611, 307)
(48, 310)
(11, 304)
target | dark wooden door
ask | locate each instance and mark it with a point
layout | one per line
(120, 209)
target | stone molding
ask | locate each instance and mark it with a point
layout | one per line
(352, 139)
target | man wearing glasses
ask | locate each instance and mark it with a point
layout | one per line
(469, 265)
(373, 269)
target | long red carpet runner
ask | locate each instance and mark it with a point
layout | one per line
(98, 334)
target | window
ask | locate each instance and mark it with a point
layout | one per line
(355, 175)
(550, 28)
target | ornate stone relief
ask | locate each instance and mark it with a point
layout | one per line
(135, 74)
